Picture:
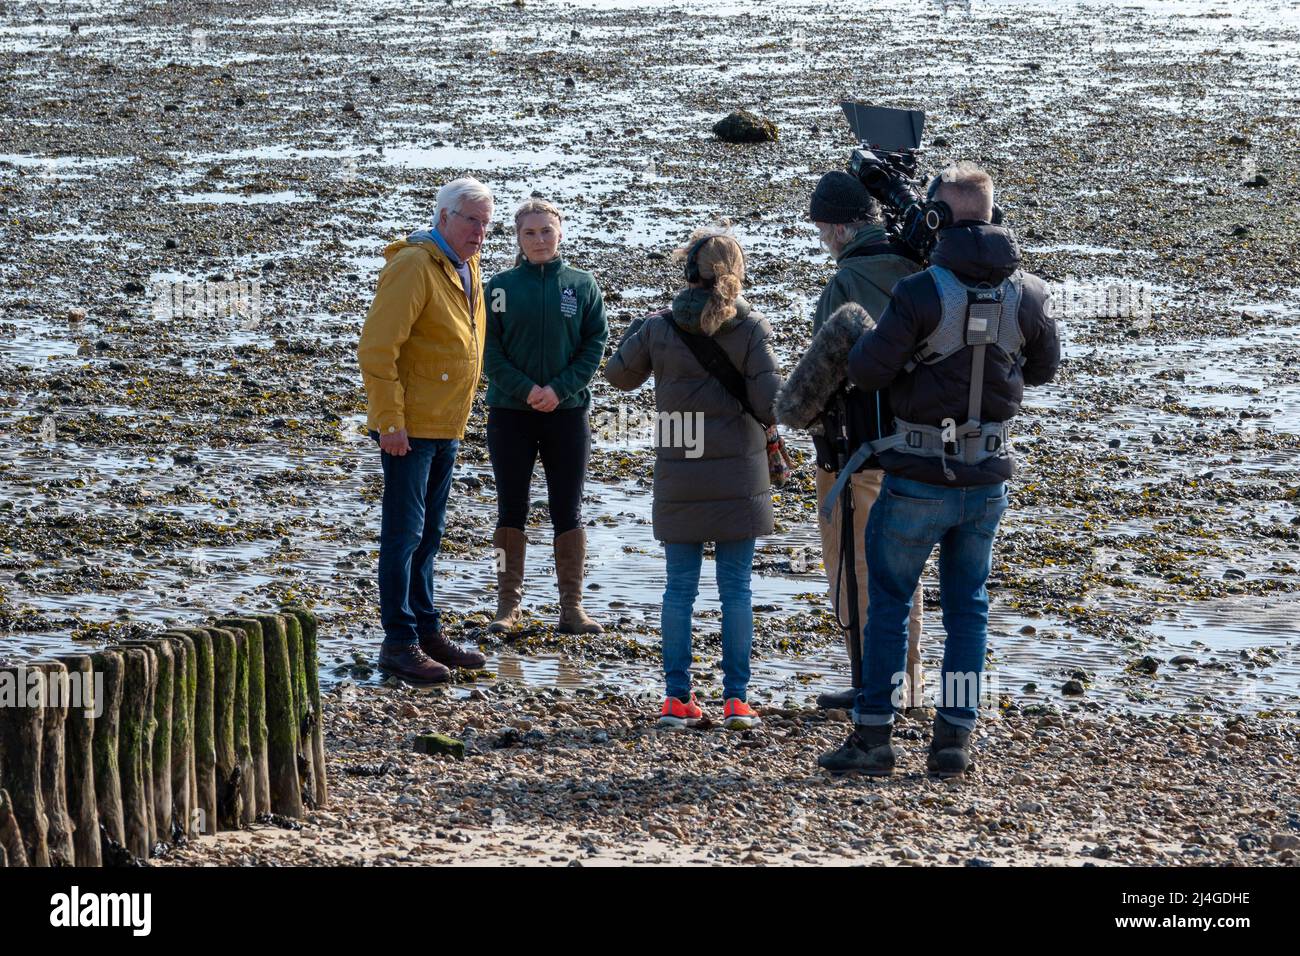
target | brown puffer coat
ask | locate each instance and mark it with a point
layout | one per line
(716, 487)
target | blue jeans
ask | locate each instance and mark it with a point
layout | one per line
(734, 560)
(907, 521)
(416, 486)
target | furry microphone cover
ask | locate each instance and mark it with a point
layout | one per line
(823, 367)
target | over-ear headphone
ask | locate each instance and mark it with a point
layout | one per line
(938, 214)
(692, 263)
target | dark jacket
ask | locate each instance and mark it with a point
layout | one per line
(724, 493)
(977, 253)
(545, 326)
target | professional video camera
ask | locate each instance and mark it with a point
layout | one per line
(887, 165)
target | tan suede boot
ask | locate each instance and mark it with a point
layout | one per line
(511, 545)
(570, 557)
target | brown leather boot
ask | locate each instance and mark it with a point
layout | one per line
(570, 556)
(445, 652)
(411, 663)
(511, 546)
(434, 643)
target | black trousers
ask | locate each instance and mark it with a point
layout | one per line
(515, 439)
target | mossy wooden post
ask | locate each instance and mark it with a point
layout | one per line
(148, 731)
(261, 787)
(192, 827)
(182, 736)
(79, 760)
(281, 719)
(108, 777)
(21, 720)
(311, 666)
(11, 837)
(136, 811)
(243, 752)
(225, 656)
(54, 786)
(205, 744)
(302, 707)
(160, 762)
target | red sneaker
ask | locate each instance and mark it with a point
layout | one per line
(738, 715)
(679, 715)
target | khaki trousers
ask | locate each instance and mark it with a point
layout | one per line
(866, 489)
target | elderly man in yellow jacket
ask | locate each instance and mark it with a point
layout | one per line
(421, 355)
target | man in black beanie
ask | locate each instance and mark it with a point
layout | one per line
(850, 228)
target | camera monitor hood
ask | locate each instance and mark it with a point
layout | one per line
(883, 127)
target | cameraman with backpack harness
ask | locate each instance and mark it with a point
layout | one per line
(955, 349)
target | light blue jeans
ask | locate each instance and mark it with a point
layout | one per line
(734, 560)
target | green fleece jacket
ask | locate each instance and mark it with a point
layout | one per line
(545, 326)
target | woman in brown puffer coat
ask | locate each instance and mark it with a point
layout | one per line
(711, 468)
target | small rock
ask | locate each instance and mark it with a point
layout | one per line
(1145, 665)
(1237, 740)
(440, 744)
(1072, 688)
(1259, 180)
(1279, 842)
(742, 126)
(1102, 852)
(171, 242)
(1182, 659)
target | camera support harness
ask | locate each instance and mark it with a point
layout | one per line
(974, 317)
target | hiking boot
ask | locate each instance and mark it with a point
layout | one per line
(511, 546)
(738, 715)
(410, 663)
(949, 750)
(570, 556)
(837, 699)
(448, 654)
(867, 750)
(677, 715)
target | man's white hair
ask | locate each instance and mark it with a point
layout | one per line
(841, 234)
(459, 191)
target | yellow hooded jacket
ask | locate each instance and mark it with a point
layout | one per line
(421, 349)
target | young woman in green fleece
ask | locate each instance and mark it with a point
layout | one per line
(546, 334)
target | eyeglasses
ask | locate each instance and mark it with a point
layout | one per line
(484, 224)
